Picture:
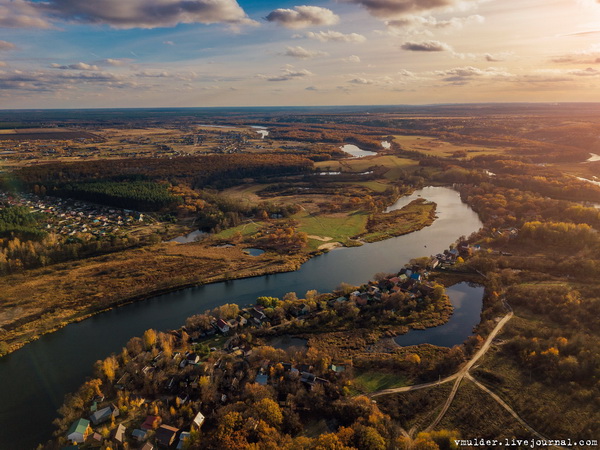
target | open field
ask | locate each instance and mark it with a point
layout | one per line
(437, 147)
(362, 164)
(44, 134)
(371, 381)
(338, 227)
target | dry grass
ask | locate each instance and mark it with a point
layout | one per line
(39, 301)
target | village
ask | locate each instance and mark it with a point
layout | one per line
(71, 217)
(163, 387)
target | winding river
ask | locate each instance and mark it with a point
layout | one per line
(34, 379)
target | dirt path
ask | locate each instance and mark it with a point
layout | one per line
(458, 378)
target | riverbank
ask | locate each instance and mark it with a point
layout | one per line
(45, 300)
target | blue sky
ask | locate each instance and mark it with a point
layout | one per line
(137, 53)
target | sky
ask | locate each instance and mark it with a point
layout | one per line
(200, 53)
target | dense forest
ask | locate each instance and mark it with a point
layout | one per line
(136, 195)
(198, 171)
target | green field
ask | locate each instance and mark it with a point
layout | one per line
(376, 381)
(339, 227)
(246, 229)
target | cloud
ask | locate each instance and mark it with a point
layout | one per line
(335, 36)
(463, 75)
(142, 13)
(426, 46)
(303, 17)
(77, 66)
(397, 8)
(3, 64)
(352, 59)
(301, 52)
(288, 73)
(360, 80)
(589, 72)
(412, 24)
(21, 14)
(7, 45)
(491, 58)
(114, 62)
(585, 57)
(41, 81)
(168, 43)
(311, 88)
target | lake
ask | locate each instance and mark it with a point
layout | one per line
(467, 300)
(356, 152)
(34, 379)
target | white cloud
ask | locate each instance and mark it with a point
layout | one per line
(414, 24)
(360, 80)
(335, 36)
(303, 17)
(168, 43)
(114, 62)
(352, 59)
(426, 46)
(288, 73)
(301, 52)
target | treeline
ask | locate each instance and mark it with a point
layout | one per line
(221, 212)
(507, 207)
(137, 195)
(198, 171)
(20, 222)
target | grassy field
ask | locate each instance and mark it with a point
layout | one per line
(369, 381)
(338, 227)
(246, 229)
(437, 147)
(391, 162)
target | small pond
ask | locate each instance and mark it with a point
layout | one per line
(467, 300)
(356, 152)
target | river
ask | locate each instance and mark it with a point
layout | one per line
(34, 379)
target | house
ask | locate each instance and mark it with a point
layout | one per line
(184, 436)
(118, 434)
(192, 358)
(139, 435)
(151, 423)
(148, 446)
(198, 420)
(223, 326)
(262, 379)
(242, 321)
(104, 415)
(95, 439)
(257, 315)
(336, 368)
(79, 431)
(416, 276)
(165, 435)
